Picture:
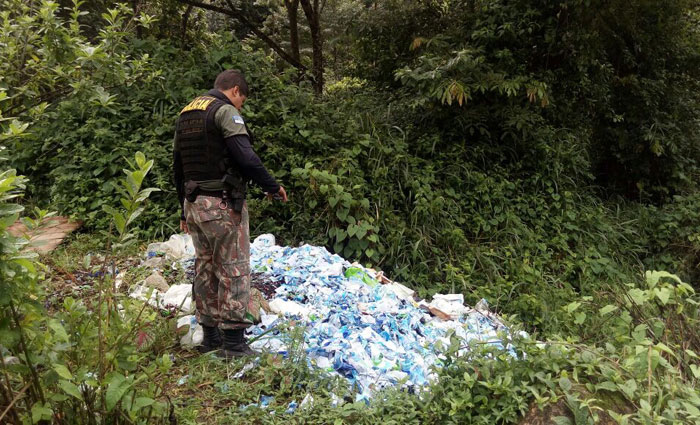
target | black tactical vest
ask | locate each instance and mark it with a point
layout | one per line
(201, 144)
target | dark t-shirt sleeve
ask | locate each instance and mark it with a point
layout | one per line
(249, 163)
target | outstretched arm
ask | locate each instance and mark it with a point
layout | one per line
(249, 163)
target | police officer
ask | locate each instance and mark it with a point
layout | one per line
(212, 162)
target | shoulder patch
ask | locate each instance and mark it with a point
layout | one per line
(199, 104)
(238, 119)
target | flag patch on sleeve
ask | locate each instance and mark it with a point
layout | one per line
(238, 119)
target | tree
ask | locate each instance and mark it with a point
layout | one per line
(255, 26)
(312, 11)
(313, 15)
(292, 7)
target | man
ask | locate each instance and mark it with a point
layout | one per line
(212, 160)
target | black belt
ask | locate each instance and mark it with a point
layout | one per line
(214, 193)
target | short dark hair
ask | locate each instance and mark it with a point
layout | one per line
(231, 78)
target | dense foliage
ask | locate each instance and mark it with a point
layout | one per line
(541, 155)
(86, 363)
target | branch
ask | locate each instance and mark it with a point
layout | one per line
(308, 10)
(243, 20)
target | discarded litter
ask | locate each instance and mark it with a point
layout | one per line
(179, 296)
(244, 370)
(449, 307)
(264, 403)
(373, 334)
(193, 334)
(357, 323)
(178, 246)
(288, 308)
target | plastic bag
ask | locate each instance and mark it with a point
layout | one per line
(179, 296)
(193, 331)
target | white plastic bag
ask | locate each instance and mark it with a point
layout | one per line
(178, 246)
(288, 308)
(451, 305)
(265, 241)
(179, 296)
(194, 332)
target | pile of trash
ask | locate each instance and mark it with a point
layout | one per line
(357, 323)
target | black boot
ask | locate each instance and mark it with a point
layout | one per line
(211, 341)
(235, 345)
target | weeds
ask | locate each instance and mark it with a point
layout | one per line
(87, 362)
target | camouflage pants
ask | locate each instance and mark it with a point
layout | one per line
(222, 264)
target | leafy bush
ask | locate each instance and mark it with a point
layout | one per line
(643, 370)
(85, 363)
(617, 81)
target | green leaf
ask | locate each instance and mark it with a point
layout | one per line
(7, 221)
(562, 420)
(606, 385)
(27, 264)
(653, 277)
(41, 412)
(342, 214)
(629, 388)
(62, 371)
(361, 232)
(119, 222)
(109, 209)
(59, 330)
(663, 294)
(117, 387)
(140, 159)
(696, 370)
(70, 389)
(137, 177)
(134, 215)
(145, 193)
(10, 209)
(691, 409)
(663, 347)
(607, 309)
(141, 402)
(571, 307)
(637, 295)
(620, 419)
(340, 235)
(565, 384)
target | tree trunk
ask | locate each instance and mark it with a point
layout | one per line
(292, 14)
(185, 19)
(313, 15)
